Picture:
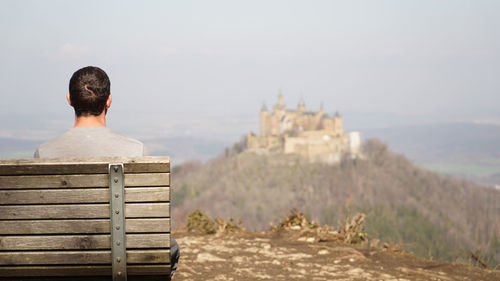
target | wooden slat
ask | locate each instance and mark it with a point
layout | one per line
(51, 196)
(67, 181)
(94, 226)
(51, 181)
(80, 242)
(81, 270)
(132, 210)
(61, 166)
(156, 179)
(82, 257)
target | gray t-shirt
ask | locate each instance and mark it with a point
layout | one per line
(90, 142)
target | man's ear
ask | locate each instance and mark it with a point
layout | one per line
(69, 99)
(108, 102)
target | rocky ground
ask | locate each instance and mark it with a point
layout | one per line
(281, 256)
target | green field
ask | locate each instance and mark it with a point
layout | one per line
(486, 172)
(462, 169)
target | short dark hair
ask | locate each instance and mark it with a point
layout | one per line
(89, 89)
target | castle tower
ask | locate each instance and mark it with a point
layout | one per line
(279, 109)
(264, 121)
(337, 124)
(301, 107)
(281, 101)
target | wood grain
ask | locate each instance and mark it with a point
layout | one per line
(82, 257)
(68, 181)
(91, 195)
(80, 242)
(81, 270)
(92, 226)
(61, 166)
(132, 210)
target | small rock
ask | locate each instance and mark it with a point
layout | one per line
(355, 271)
(237, 259)
(310, 239)
(266, 246)
(351, 260)
(204, 257)
(336, 261)
(323, 252)
(295, 227)
(302, 239)
(276, 262)
(252, 249)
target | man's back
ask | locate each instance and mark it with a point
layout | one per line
(90, 96)
(90, 142)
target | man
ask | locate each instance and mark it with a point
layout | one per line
(89, 95)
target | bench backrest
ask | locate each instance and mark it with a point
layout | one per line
(55, 216)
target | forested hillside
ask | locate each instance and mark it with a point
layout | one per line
(429, 214)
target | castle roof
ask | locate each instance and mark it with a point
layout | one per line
(310, 113)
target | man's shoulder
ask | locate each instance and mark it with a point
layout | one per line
(123, 137)
(83, 142)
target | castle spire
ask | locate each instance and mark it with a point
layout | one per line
(301, 107)
(322, 107)
(301, 102)
(264, 107)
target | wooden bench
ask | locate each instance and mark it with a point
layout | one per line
(55, 218)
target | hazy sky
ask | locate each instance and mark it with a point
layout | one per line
(204, 68)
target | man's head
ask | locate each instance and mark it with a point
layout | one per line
(89, 91)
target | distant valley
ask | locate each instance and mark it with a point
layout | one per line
(429, 214)
(466, 150)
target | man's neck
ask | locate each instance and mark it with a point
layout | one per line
(90, 121)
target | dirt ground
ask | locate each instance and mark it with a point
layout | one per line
(280, 256)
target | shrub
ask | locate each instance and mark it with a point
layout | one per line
(199, 222)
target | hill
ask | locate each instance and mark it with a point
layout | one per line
(428, 214)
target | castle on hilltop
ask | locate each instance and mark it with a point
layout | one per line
(314, 135)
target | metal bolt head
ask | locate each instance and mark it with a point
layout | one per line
(117, 212)
(118, 243)
(116, 179)
(117, 227)
(119, 273)
(118, 259)
(116, 168)
(117, 195)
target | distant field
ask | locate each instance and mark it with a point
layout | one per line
(486, 174)
(17, 154)
(466, 150)
(18, 148)
(462, 169)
